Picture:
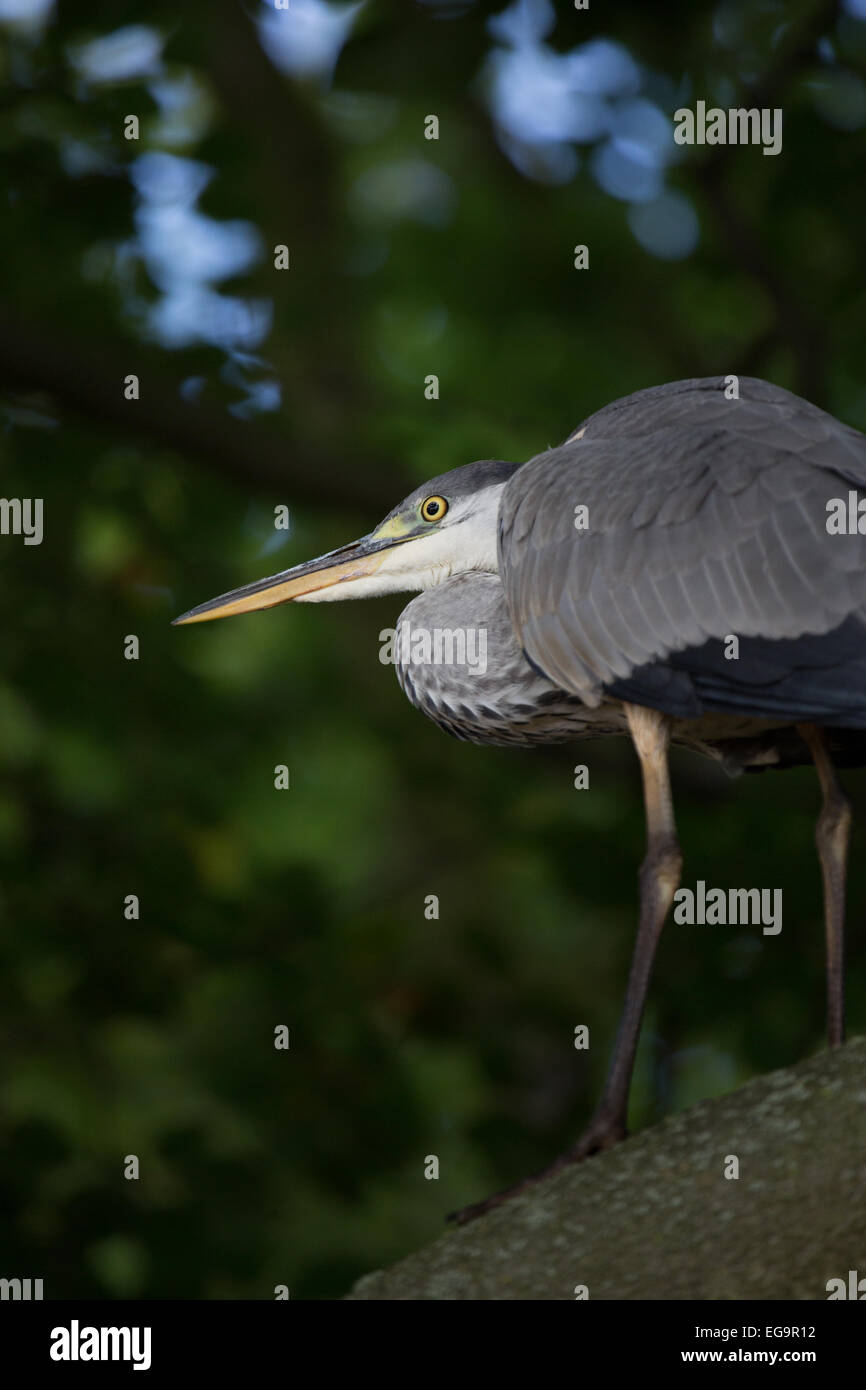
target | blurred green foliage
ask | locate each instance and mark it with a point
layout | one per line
(409, 1037)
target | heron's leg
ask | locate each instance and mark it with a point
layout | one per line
(832, 834)
(659, 880)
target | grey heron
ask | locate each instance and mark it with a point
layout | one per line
(689, 567)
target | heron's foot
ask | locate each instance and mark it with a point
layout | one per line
(602, 1132)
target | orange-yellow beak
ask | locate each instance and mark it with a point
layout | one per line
(350, 562)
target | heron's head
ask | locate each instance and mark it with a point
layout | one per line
(445, 527)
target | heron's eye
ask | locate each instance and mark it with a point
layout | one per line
(433, 508)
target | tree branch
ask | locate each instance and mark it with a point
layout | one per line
(88, 381)
(656, 1218)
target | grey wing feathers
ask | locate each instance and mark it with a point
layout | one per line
(707, 517)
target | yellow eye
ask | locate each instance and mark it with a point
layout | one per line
(433, 508)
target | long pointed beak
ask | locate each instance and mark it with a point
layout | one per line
(353, 561)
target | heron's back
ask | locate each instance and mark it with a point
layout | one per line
(704, 574)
